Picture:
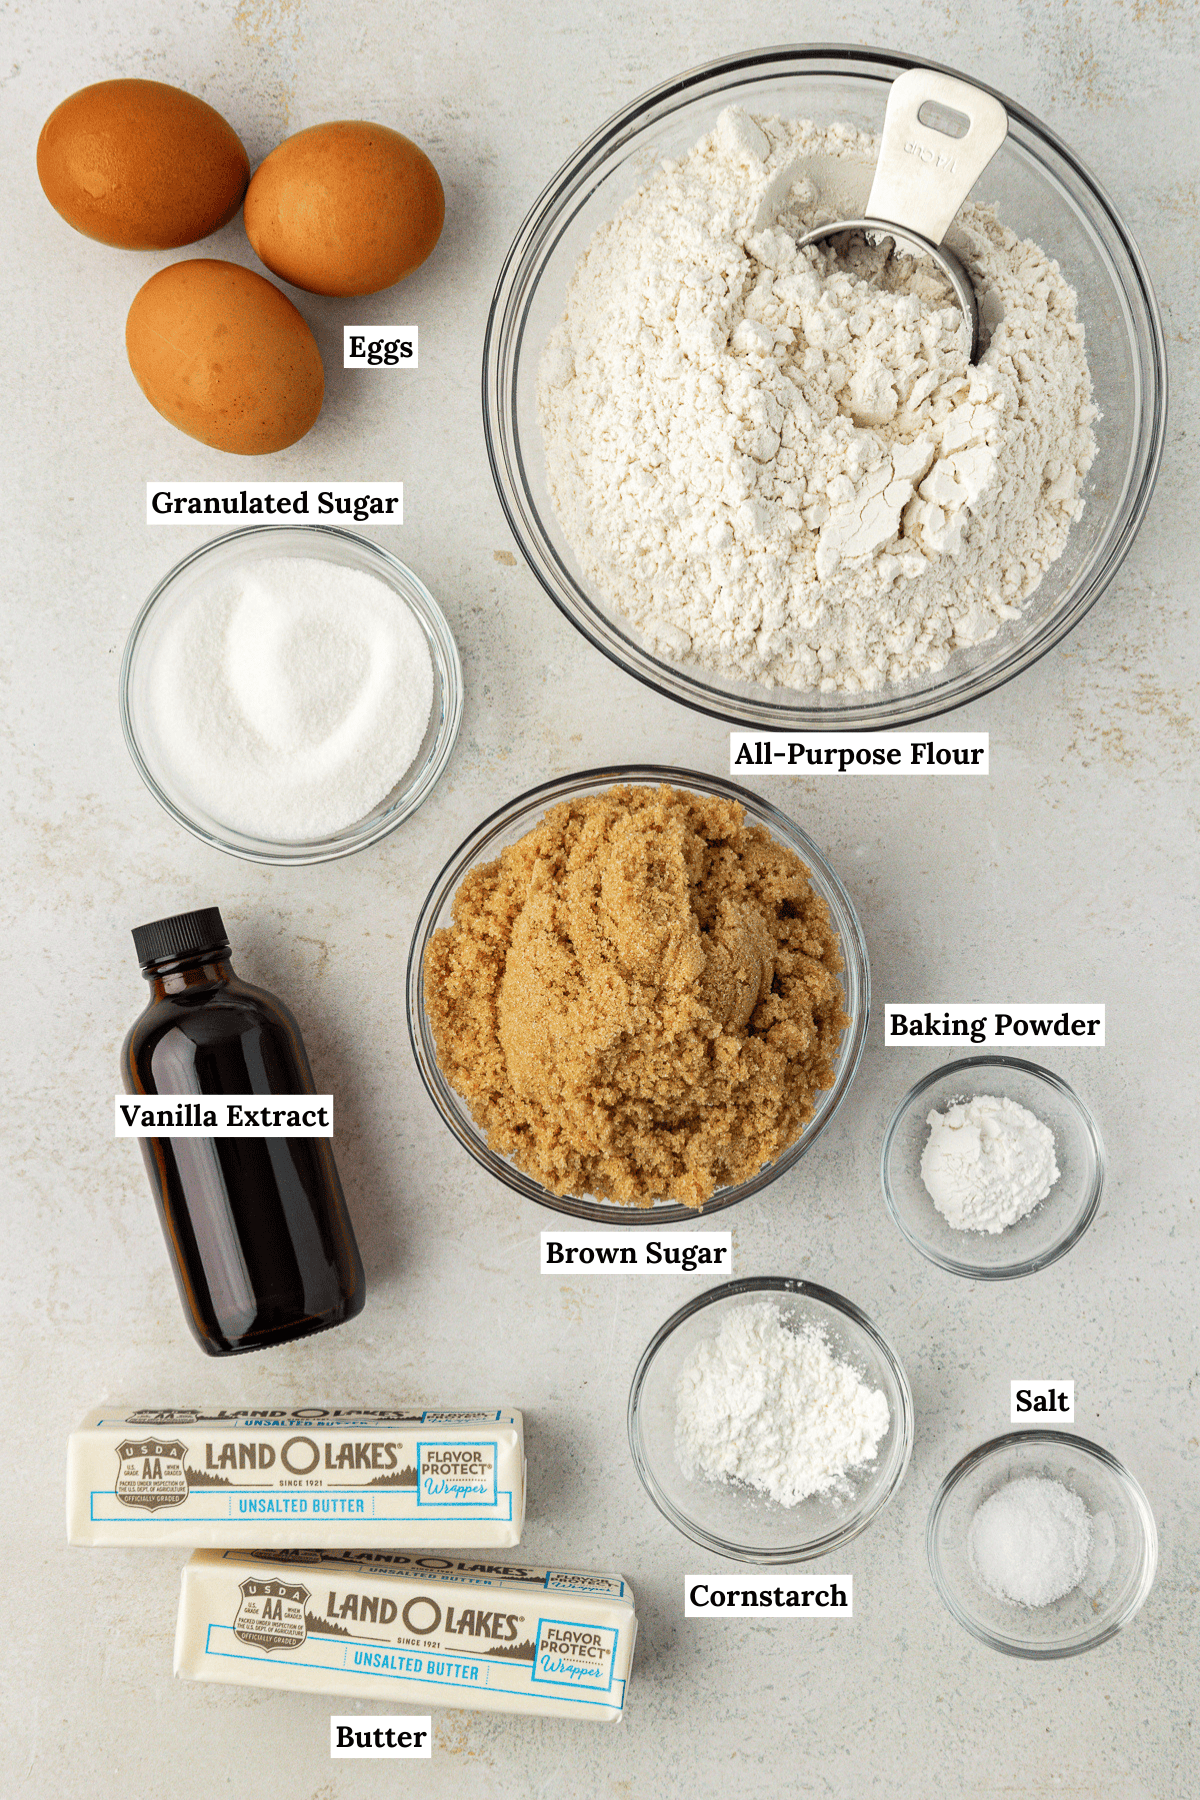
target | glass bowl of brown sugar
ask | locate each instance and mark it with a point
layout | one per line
(511, 824)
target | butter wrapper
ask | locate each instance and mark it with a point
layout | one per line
(308, 1476)
(409, 1630)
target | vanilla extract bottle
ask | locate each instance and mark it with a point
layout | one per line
(260, 1239)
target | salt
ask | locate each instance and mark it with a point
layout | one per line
(288, 700)
(1029, 1541)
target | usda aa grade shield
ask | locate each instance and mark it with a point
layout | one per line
(150, 1472)
(271, 1613)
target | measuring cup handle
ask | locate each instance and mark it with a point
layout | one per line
(925, 172)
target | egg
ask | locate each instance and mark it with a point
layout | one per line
(345, 208)
(225, 357)
(141, 165)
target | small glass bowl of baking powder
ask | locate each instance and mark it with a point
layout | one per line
(1041, 190)
(728, 1517)
(511, 823)
(1122, 1555)
(1054, 1225)
(204, 572)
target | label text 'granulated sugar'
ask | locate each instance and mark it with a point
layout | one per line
(377, 501)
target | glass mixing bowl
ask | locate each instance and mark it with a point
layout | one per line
(205, 569)
(1054, 1226)
(512, 822)
(1042, 192)
(729, 1517)
(1121, 1563)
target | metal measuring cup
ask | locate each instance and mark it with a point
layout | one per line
(927, 166)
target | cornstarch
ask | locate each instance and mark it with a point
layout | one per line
(770, 1405)
(781, 464)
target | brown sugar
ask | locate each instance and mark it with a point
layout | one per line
(638, 1001)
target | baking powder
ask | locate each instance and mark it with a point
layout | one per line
(987, 1163)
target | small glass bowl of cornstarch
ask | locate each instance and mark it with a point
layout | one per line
(1121, 1543)
(290, 694)
(967, 1235)
(835, 1350)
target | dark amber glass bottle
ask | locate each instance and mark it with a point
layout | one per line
(260, 1239)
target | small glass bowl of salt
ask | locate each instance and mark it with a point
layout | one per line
(957, 1231)
(290, 693)
(1036, 1510)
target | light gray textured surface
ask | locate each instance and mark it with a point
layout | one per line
(1070, 873)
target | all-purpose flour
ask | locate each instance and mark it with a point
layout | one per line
(769, 1405)
(789, 472)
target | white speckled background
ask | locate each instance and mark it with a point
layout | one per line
(1070, 873)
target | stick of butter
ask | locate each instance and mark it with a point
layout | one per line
(301, 1476)
(409, 1630)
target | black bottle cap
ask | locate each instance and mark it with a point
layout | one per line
(183, 934)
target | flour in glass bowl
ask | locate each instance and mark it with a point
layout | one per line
(781, 463)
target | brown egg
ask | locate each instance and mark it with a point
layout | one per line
(345, 208)
(141, 165)
(224, 356)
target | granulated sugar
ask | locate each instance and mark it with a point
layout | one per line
(770, 1405)
(783, 466)
(289, 700)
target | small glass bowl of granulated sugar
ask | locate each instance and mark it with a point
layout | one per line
(992, 1488)
(973, 1241)
(290, 693)
(726, 1381)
